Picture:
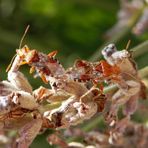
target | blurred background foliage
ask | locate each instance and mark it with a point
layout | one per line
(73, 27)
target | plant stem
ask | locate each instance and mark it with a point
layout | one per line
(48, 107)
(140, 49)
(110, 89)
(92, 124)
(143, 72)
(118, 36)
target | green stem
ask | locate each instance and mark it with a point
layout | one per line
(143, 72)
(48, 107)
(117, 37)
(92, 124)
(140, 49)
(110, 89)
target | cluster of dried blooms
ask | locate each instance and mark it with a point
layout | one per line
(129, 10)
(126, 134)
(78, 91)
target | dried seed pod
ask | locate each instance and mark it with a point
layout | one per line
(6, 88)
(24, 100)
(19, 81)
(15, 119)
(28, 133)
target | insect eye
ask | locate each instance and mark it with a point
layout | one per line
(110, 49)
(105, 49)
(54, 84)
(109, 52)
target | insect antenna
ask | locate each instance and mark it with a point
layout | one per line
(12, 60)
(128, 44)
(26, 30)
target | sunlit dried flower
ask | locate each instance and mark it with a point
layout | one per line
(78, 97)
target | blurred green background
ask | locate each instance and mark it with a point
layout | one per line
(73, 27)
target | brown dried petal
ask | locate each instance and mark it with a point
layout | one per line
(24, 100)
(28, 133)
(19, 81)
